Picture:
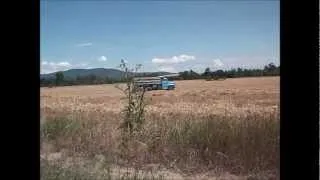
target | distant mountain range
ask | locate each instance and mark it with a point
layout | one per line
(99, 72)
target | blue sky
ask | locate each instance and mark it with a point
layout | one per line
(160, 35)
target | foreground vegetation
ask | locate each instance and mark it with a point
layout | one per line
(199, 132)
(239, 145)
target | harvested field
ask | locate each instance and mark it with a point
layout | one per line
(196, 96)
(229, 126)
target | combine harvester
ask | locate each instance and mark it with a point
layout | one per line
(156, 83)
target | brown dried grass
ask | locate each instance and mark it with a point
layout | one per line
(196, 96)
(201, 125)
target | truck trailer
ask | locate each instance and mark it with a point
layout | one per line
(154, 83)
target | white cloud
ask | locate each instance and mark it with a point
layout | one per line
(83, 64)
(199, 68)
(173, 60)
(226, 62)
(49, 67)
(84, 44)
(217, 63)
(168, 69)
(64, 64)
(253, 61)
(102, 58)
(125, 61)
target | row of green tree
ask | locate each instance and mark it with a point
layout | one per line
(268, 70)
(60, 80)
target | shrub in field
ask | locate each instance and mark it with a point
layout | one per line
(134, 109)
(133, 112)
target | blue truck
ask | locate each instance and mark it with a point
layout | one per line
(154, 83)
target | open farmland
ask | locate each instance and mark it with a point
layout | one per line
(195, 96)
(201, 127)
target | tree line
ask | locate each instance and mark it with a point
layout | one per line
(268, 70)
(90, 79)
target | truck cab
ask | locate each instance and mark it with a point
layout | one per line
(166, 84)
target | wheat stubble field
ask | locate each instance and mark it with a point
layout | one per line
(203, 129)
